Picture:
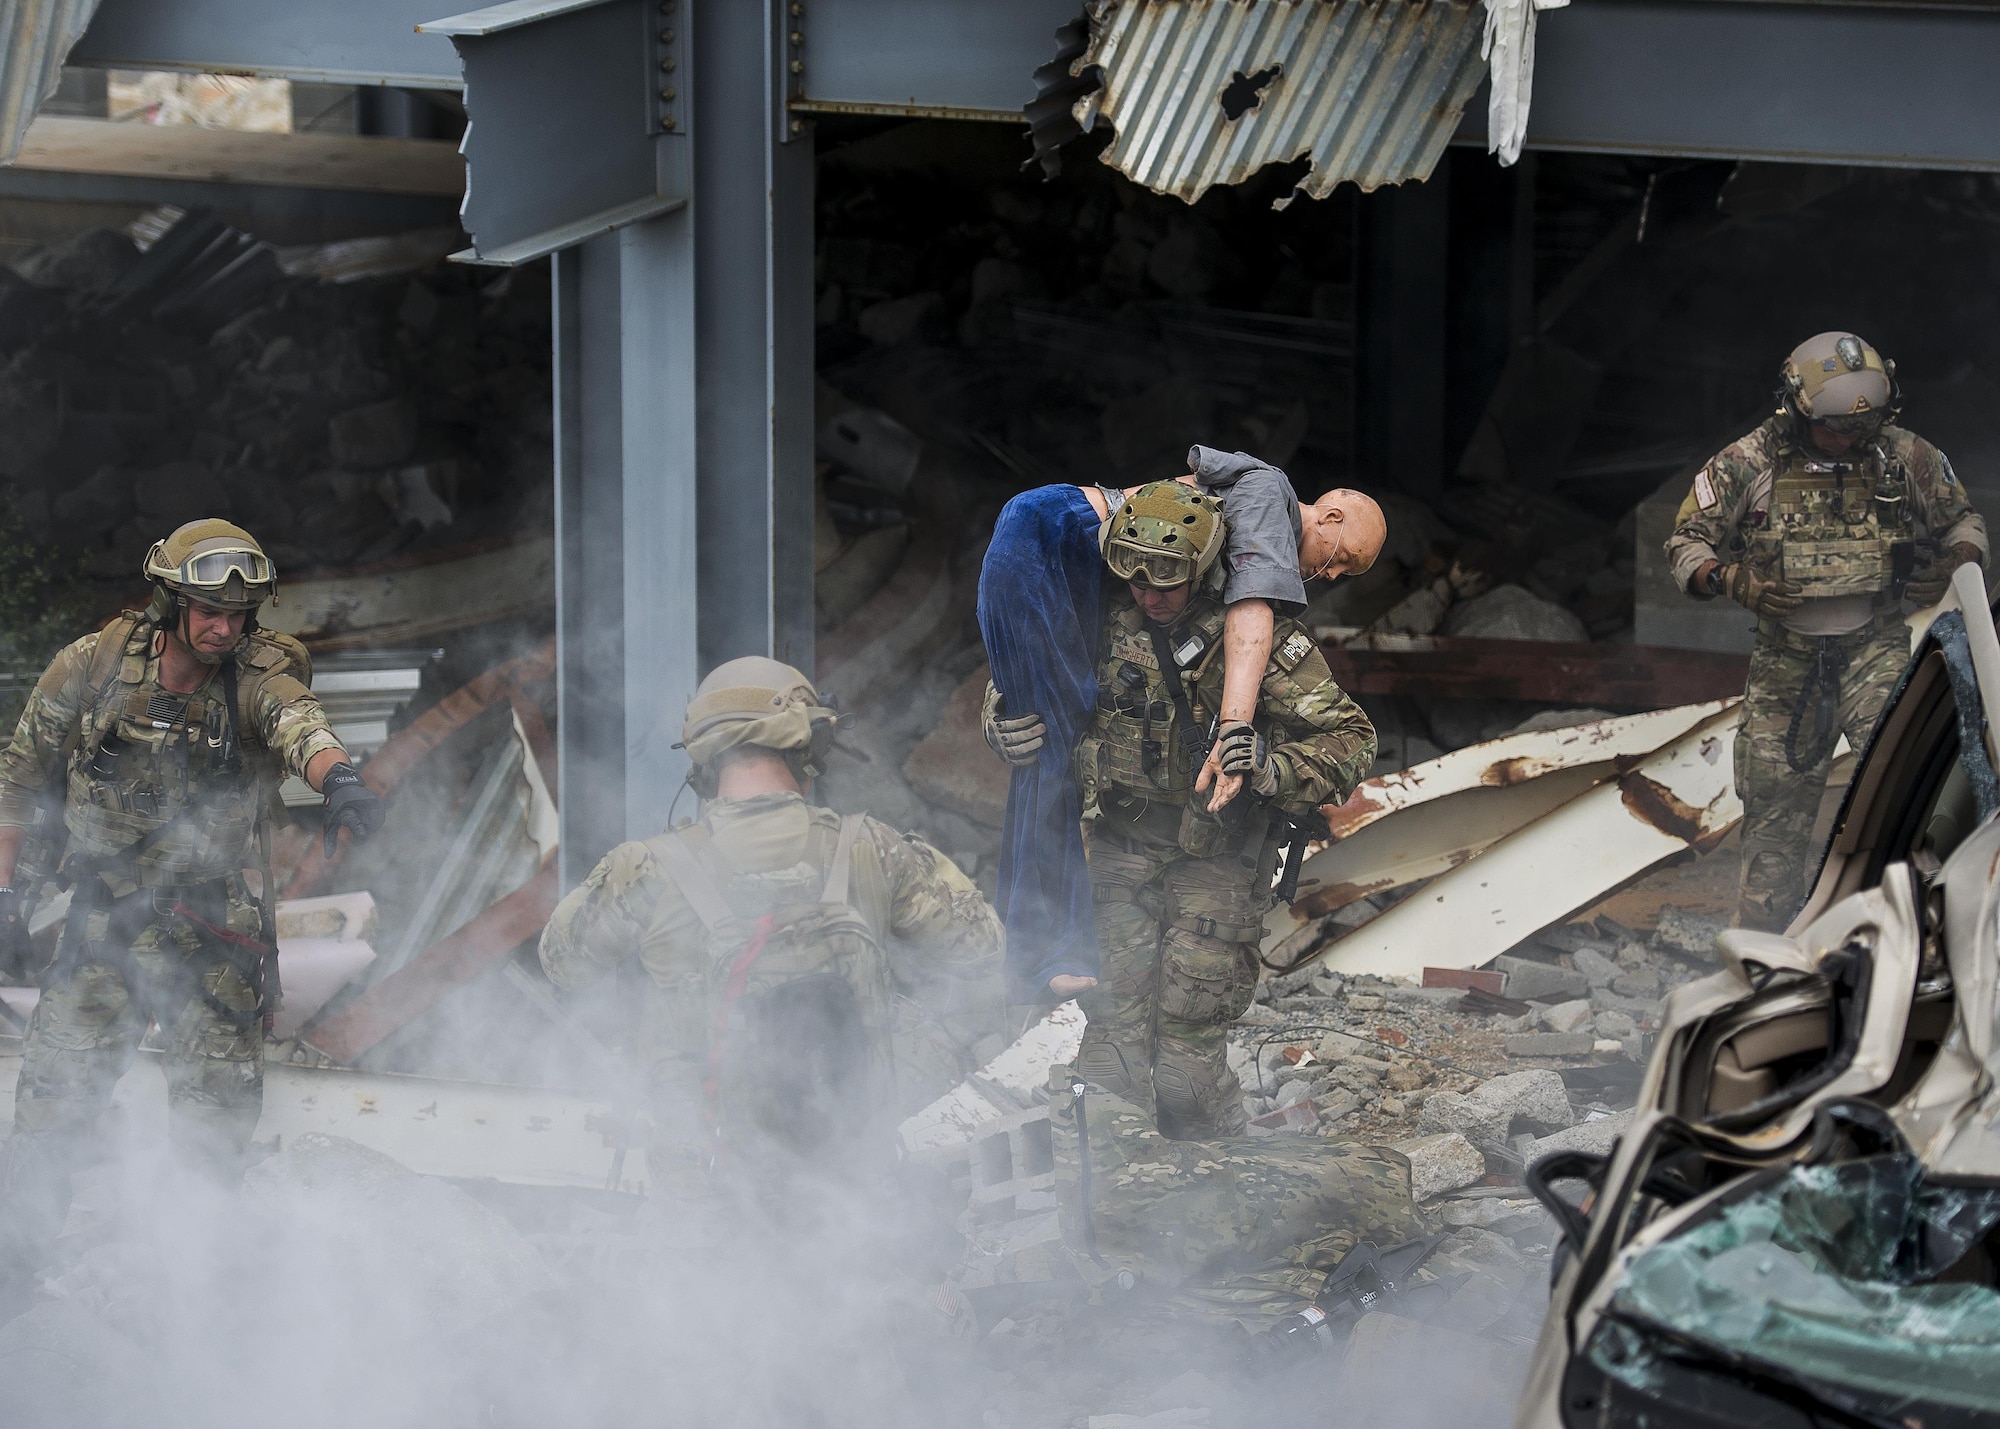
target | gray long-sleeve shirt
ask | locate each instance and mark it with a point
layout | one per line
(1262, 514)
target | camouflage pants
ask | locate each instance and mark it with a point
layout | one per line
(1237, 1231)
(1780, 802)
(85, 1031)
(1178, 938)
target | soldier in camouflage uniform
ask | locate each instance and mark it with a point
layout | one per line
(1823, 522)
(855, 964)
(1181, 892)
(153, 750)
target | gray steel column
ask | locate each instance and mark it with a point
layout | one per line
(684, 436)
(753, 224)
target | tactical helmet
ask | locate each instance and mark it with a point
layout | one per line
(1838, 381)
(1165, 535)
(214, 563)
(762, 703)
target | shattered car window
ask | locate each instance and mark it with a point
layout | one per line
(1861, 1276)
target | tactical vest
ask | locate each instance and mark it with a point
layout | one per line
(1832, 522)
(796, 984)
(173, 783)
(1139, 742)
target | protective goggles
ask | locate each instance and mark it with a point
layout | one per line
(1149, 566)
(211, 570)
(1854, 424)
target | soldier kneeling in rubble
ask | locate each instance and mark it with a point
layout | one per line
(818, 975)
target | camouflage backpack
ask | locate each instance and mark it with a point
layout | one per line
(797, 993)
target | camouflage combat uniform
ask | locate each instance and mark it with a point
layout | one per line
(924, 964)
(162, 801)
(1239, 1231)
(1180, 893)
(1832, 525)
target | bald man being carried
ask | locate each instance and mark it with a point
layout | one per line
(1038, 611)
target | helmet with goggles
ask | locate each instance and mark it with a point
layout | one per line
(1838, 382)
(213, 563)
(1164, 535)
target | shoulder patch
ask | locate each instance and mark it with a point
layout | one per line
(1704, 490)
(1296, 647)
(1945, 471)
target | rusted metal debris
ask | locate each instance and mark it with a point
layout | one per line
(1559, 672)
(1452, 808)
(1562, 861)
(1205, 92)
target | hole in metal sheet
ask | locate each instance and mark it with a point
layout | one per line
(1242, 93)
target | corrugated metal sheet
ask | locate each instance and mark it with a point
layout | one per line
(1370, 90)
(38, 34)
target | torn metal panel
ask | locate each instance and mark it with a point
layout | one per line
(1456, 806)
(1680, 797)
(1205, 92)
(38, 35)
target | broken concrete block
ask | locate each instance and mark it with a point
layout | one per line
(1643, 1008)
(379, 434)
(1551, 1044)
(1467, 1115)
(1488, 1212)
(952, 767)
(1566, 1016)
(1510, 612)
(1690, 933)
(1613, 1023)
(1600, 970)
(1537, 1099)
(1441, 1163)
(1530, 981)
(1336, 1045)
(1642, 982)
(1595, 1137)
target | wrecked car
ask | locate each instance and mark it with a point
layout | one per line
(1801, 1224)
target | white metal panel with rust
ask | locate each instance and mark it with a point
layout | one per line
(1677, 798)
(525, 1136)
(1454, 807)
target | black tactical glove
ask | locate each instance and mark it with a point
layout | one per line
(1759, 592)
(17, 953)
(350, 804)
(1017, 740)
(1241, 750)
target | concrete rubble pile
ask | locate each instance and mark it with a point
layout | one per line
(397, 406)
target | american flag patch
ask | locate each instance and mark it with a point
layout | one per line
(1704, 490)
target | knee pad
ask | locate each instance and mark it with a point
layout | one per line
(1104, 1063)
